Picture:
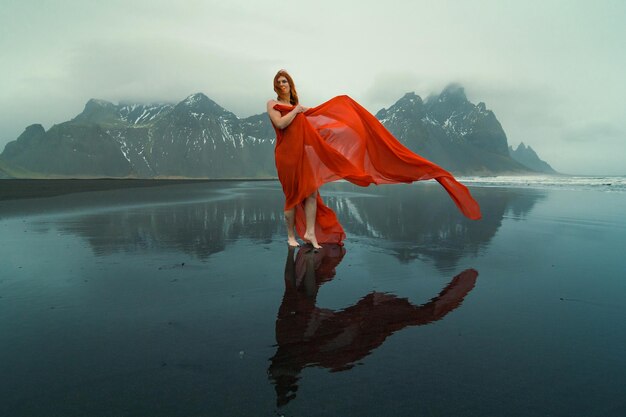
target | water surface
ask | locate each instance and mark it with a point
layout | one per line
(184, 300)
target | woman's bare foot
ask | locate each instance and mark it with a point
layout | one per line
(310, 238)
(293, 243)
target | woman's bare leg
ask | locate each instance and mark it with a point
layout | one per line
(290, 221)
(310, 211)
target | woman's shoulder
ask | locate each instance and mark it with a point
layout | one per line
(271, 103)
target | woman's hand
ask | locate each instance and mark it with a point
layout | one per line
(281, 122)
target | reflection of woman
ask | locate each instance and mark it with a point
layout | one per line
(336, 140)
(311, 336)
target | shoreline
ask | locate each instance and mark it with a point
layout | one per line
(20, 188)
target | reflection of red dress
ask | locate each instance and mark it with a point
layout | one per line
(339, 139)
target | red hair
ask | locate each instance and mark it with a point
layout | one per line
(293, 94)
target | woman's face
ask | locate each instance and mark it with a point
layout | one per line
(283, 85)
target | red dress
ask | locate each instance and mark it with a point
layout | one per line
(339, 139)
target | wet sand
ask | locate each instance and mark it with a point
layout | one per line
(11, 189)
(182, 299)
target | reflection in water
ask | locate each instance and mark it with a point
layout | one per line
(418, 221)
(413, 222)
(311, 336)
(199, 229)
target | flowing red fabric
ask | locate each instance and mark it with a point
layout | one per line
(339, 139)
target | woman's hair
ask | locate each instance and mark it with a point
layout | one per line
(293, 95)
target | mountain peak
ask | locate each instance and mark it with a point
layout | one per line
(409, 103)
(200, 103)
(410, 99)
(96, 102)
(525, 155)
(453, 94)
(196, 98)
(35, 128)
(453, 90)
(96, 110)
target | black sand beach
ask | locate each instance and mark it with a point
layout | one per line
(181, 298)
(35, 188)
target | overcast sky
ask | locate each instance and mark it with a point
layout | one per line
(552, 71)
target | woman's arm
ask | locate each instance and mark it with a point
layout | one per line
(279, 121)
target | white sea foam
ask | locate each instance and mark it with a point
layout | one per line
(562, 182)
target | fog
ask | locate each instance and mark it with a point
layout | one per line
(551, 71)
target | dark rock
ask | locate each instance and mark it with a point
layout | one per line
(526, 156)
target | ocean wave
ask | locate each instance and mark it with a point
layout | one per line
(561, 182)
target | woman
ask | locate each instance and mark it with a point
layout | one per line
(339, 139)
(287, 96)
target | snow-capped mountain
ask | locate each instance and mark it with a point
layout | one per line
(198, 138)
(194, 138)
(451, 131)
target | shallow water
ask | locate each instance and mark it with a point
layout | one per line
(183, 300)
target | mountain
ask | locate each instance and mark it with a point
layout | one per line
(526, 156)
(197, 138)
(8, 170)
(4, 174)
(67, 149)
(194, 138)
(449, 130)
